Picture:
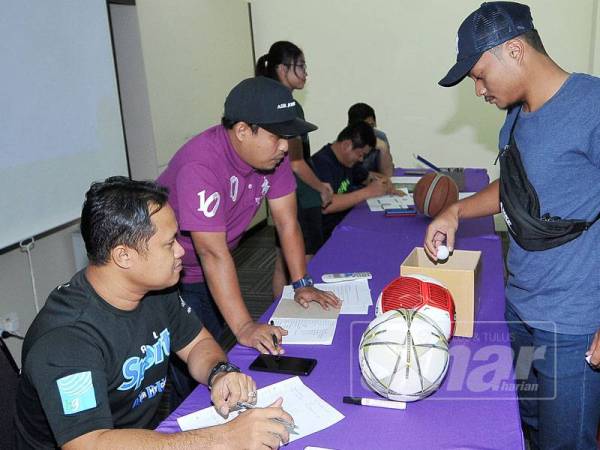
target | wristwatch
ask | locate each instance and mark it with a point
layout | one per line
(305, 281)
(221, 366)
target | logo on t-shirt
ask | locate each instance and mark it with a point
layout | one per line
(344, 186)
(233, 187)
(150, 392)
(76, 392)
(184, 305)
(264, 189)
(209, 206)
(134, 368)
(286, 105)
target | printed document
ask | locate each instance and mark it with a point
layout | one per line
(355, 295)
(390, 201)
(313, 325)
(310, 412)
(306, 331)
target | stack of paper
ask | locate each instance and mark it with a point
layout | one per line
(355, 295)
(405, 182)
(313, 325)
(309, 411)
(391, 201)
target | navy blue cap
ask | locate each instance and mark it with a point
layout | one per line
(267, 103)
(491, 25)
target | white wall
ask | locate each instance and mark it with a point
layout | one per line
(53, 263)
(133, 89)
(392, 53)
(194, 52)
(595, 50)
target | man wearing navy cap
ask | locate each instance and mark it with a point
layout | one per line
(553, 304)
(217, 182)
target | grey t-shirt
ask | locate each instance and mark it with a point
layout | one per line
(558, 289)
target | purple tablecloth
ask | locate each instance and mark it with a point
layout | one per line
(476, 406)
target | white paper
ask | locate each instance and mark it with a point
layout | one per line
(311, 447)
(405, 183)
(390, 201)
(310, 412)
(405, 180)
(355, 295)
(307, 331)
(288, 308)
(312, 325)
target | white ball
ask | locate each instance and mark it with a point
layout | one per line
(444, 318)
(403, 355)
(442, 253)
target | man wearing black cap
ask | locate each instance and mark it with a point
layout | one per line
(217, 182)
(550, 173)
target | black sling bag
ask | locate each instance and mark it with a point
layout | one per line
(520, 207)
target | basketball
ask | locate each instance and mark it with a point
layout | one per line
(403, 355)
(434, 192)
(422, 293)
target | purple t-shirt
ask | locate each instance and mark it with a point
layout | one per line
(212, 189)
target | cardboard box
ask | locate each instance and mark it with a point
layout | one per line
(460, 274)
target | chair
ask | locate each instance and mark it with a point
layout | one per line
(9, 380)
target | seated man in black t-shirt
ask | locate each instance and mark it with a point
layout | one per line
(337, 164)
(95, 358)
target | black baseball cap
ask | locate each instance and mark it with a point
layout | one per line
(491, 25)
(268, 104)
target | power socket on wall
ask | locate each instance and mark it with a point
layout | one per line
(9, 322)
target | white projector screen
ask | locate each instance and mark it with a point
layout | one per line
(61, 121)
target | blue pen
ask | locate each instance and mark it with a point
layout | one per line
(427, 163)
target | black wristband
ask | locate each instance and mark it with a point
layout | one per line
(221, 366)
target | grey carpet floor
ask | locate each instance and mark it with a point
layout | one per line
(254, 260)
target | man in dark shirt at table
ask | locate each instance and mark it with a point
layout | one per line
(95, 358)
(336, 164)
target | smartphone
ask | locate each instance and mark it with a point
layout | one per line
(283, 364)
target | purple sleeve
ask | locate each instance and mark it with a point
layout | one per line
(282, 181)
(200, 199)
